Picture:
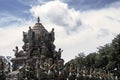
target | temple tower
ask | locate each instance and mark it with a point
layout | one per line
(38, 42)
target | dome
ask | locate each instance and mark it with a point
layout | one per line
(38, 26)
(39, 29)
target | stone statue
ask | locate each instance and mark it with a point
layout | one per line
(52, 35)
(29, 49)
(52, 46)
(16, 51)
(55, 57)
(31, 35)
(25, 40)
(59, 53)
(72, 72)
(27, 69)
(51, 73)
(44, 49)
(21, 74)
(38, 70)
(38, 19)
(61, 72)
(25, 37)
(41, 70)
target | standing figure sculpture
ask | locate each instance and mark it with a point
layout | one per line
(51, 73)
(52, 35)
(31, 35)
(40, 69)
(72, 72)
(25, 40)
(59, 53)
(61, 72)
(25, 37)
(16, 51)
(44, 50)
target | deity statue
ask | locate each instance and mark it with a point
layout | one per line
(16, 51)
(31, 35)
(51, 73)
(25, 40)
(72, 72)
(61, 70)
(25, 37)
(79, 73)
(29, 49)
(38, 70)
(41, 71)
(21, 74)
(44, 49)
(52, 35)
(59, 53)
(52, 46)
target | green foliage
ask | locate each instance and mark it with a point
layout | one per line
(107, 56)
(90, 59)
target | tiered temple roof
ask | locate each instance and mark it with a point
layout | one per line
(38, 42)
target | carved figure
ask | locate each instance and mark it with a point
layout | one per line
(38, 70)
(72, 74)
(25, 37)
(44, 50)
(16, 51)
(41, 70)
(59, 53)
(61, 70)
(52, 35)
(31, 35)
(38, 19)
(51, 73)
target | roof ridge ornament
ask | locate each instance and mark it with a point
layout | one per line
(38, 19)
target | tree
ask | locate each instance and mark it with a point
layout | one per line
(116, 54)
(116, 47)
(90, 60)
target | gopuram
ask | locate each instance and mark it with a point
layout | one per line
(38, 60)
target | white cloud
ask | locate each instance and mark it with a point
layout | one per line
(100, 19)
(98, 28)
(11, 35)
(115, 4)
(59, 14)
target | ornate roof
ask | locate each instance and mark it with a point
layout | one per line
(39, 29)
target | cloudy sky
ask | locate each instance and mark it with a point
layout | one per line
(80, 25)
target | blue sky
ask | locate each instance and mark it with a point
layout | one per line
(80, 25)
(20, 8)
(89, 4)
(14, 8)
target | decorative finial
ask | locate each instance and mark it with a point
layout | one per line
(38, 19)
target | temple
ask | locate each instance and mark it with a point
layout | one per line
(38, 44)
